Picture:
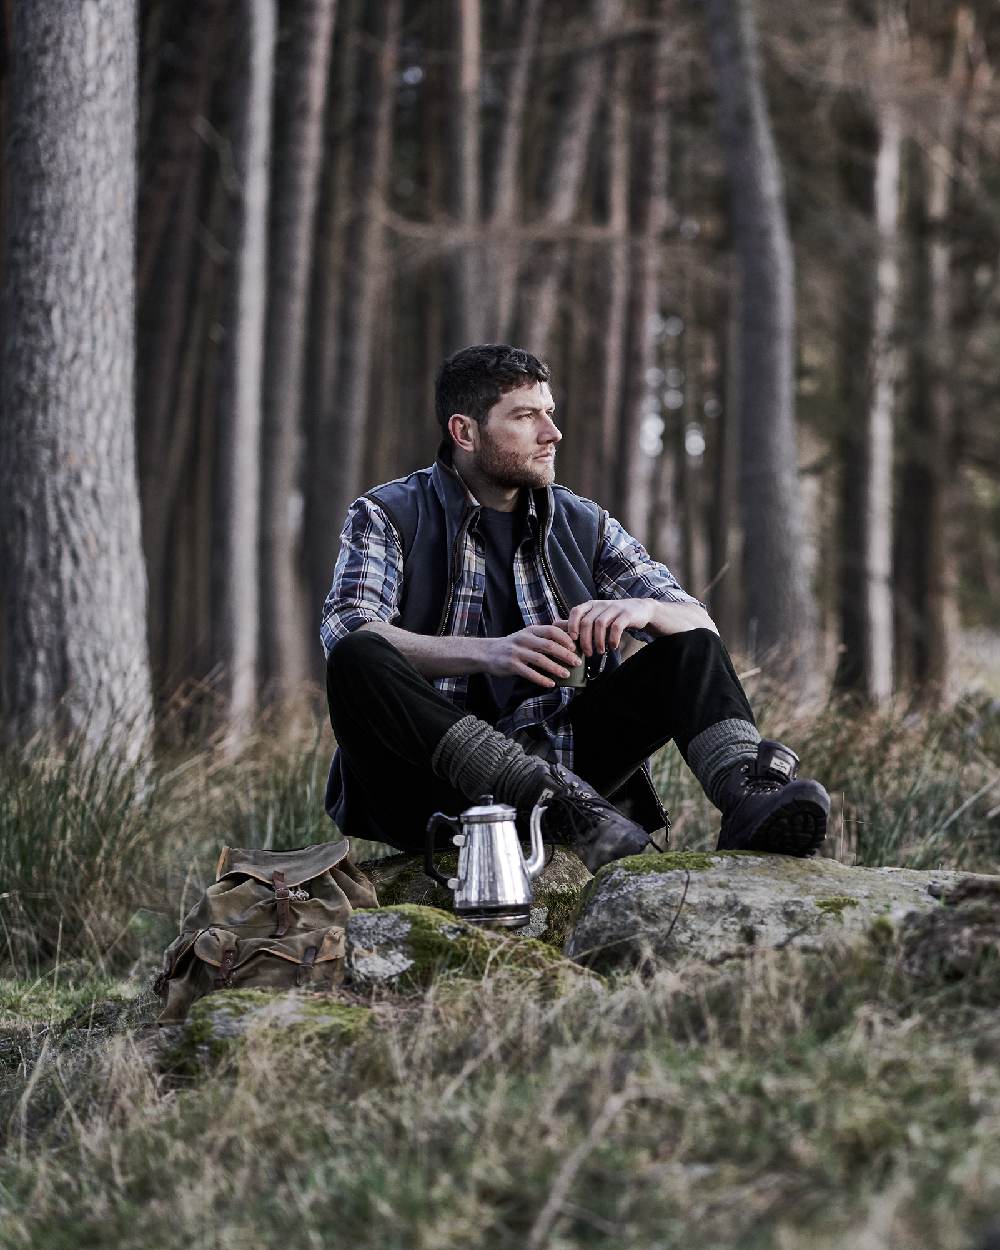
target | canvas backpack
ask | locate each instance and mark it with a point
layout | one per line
(271, 920)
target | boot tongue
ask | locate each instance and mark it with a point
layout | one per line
(775, 761)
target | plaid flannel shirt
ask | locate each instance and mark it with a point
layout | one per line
(368, 577)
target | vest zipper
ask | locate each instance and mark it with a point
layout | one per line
(547, 568)
(455, 556)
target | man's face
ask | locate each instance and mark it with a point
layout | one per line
(516, 445)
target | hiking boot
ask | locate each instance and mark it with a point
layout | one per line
(593, 828)
(764, 808)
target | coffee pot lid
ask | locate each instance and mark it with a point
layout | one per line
(486, 811)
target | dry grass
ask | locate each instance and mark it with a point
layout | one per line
(798, 1102)
(791, 1099)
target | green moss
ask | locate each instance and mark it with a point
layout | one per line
(562, 907)
(636, 865)
(219, 1023)
(401, 879)
(440, 944)
(881, 931)
(836, 904)
(45, 1001)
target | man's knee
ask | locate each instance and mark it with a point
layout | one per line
(351, 654)
(690, 642)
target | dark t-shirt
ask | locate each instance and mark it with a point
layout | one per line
(491, 697)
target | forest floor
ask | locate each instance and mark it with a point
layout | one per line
(796, 1101)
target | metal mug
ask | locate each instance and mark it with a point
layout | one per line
(492, 884)
(577, 674)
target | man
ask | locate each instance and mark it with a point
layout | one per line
(468, 601)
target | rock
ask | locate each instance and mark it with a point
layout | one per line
(557, 889)
(219, 1022)
(958, 941)
(406, 946)
(682, 905)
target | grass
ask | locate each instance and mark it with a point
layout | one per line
(803, 1102)
(794, 1099)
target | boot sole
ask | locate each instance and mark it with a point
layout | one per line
(797, 829)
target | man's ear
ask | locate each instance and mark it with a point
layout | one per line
(460, 428)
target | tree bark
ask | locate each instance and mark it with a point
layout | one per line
(870, 177)
(365, 277)
(73, 579)
(563, 179)
(322, 409)
(724, 536)
(780, 614)
(927, 537)
(235, 553)
(506, 186)
(301, 82)
(468, 320)
(615, 263)
(637, 467)
(169, 259)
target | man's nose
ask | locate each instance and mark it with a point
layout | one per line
(550, 432)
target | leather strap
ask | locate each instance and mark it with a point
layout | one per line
(224, 975)
(281, 899)
(303, 972)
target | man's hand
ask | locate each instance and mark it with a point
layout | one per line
(600, 623)
(539, 652)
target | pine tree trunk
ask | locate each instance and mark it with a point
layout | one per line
(870, 177)
(468, 319)
(638, 470)
(506, 187)
(724, 538)
(940, 614)
(73, 580)
(927, 536)
(236, 563)
(322, 408)
(169, 260)
(882, 420)
(615, 264)
(564, 174)
(779, 609)
(365, 277)
(300, 96)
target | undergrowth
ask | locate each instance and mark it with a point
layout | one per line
(793, 1101)
(804, 1102)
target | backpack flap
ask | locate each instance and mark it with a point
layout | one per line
(297, 866)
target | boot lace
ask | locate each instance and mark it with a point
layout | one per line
(573, 808)
(754, 783)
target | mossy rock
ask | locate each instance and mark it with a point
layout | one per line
(671, 907)
(400, 879)
(407, 947)
(218, 1024)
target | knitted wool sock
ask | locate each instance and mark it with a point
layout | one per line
(713, 753)
(476, 759)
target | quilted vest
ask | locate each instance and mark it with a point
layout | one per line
(430, 512)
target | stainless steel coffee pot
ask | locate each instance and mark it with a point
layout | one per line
(492, 883)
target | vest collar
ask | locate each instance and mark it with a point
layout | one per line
(459, 502)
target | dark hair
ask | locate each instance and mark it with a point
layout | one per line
(472, 380)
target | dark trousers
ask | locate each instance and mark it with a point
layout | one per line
(388, 719)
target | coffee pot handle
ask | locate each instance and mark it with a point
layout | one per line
(437, 821)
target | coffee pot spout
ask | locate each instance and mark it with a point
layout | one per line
(534, 865)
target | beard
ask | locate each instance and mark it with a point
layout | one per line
(510, 469)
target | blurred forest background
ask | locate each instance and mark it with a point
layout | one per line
(757, 242)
